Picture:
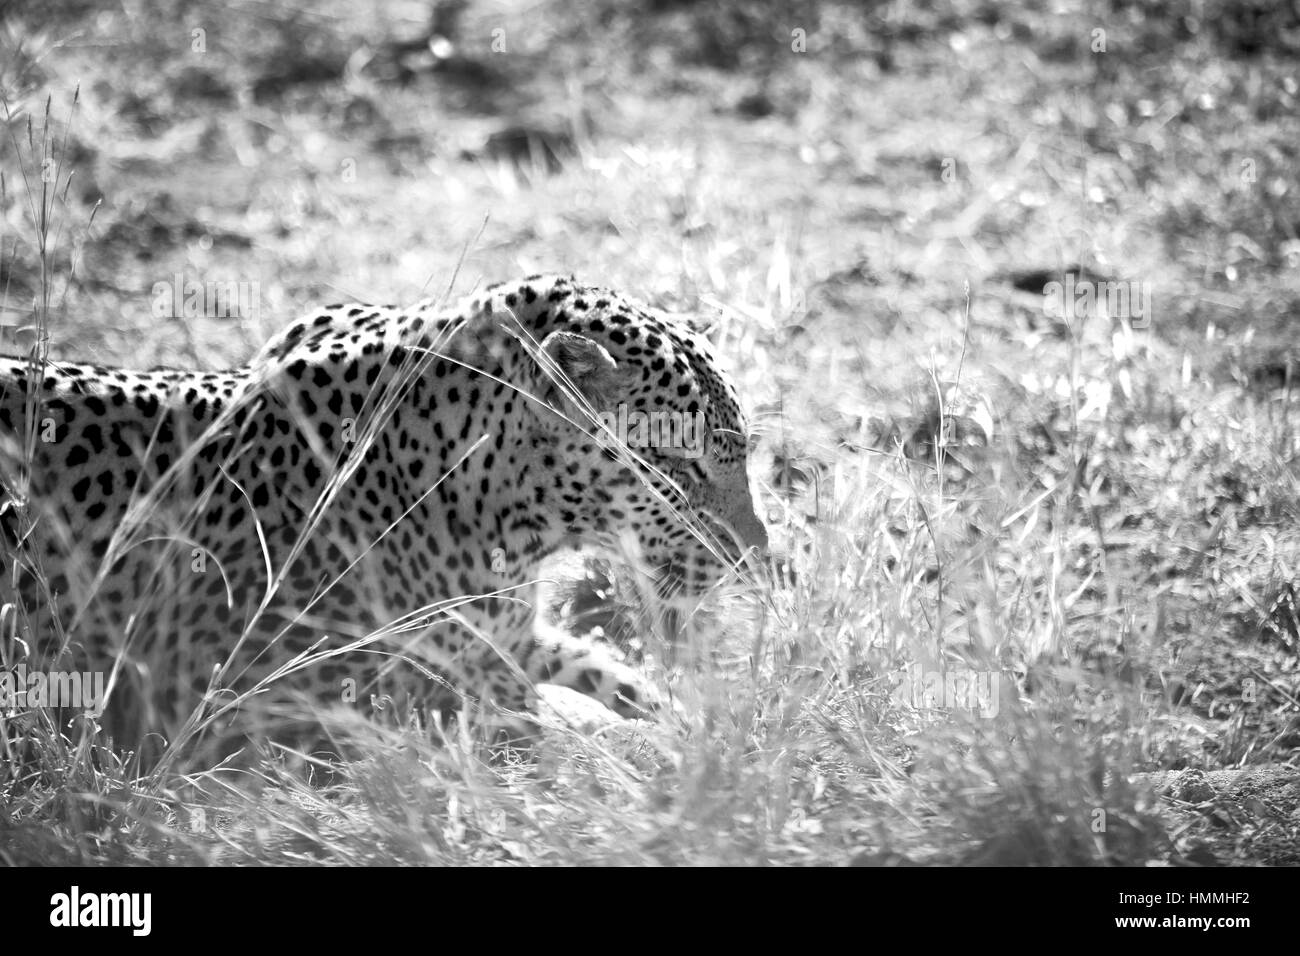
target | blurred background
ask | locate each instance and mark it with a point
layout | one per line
(855, 163)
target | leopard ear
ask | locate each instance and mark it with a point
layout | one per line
(585, 367)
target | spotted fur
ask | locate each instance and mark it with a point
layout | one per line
(376, 475)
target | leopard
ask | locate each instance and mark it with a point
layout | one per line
(359, 512)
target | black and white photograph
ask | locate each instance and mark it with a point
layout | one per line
(651, 434)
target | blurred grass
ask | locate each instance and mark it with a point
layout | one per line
(1100, 517)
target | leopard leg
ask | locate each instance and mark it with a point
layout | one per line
(554, 657)
(481, 677)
